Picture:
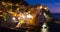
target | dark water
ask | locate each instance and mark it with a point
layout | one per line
(56, 15)
(55, 27)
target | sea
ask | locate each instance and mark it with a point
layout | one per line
(55, 27)
(56, 15)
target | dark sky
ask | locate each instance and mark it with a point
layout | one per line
(53, 5)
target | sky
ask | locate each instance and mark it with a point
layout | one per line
(53, 5)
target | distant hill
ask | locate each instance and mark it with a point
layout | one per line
(16, 1)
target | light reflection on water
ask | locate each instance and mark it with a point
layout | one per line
(44, 28)
(52, 28)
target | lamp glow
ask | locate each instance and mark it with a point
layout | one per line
(29, 16)
(13, 18)
(41, 7)
(23, 16)
(45, 8)
(18, 18)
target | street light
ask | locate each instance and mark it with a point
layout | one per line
(29, 16)
(41, 7)
(45, 7)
